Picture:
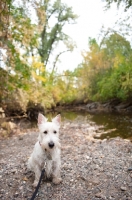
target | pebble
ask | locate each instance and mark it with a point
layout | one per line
(99, 195)
(123, 188)
(48, 184)
(20, 137)
(80, 158)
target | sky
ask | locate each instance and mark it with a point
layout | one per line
(92, 16)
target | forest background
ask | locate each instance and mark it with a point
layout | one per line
(25, 49)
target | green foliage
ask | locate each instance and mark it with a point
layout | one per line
(64, 90)
(23, 75)
(52, 35)
(116, 45)
(105, 73)
(117, 84)
(108, 69)
(128, 3)
(20, 39)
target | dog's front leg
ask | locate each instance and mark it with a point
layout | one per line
(37, 175)
(56, 172)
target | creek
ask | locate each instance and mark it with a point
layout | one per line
(105, 125)
(109, 124)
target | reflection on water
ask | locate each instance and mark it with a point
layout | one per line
(113, 124)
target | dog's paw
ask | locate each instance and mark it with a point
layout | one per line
(35, 183)
(57, 180)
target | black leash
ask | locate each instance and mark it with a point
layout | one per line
(130, 169)
(36, 190)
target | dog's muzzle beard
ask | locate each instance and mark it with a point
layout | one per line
(47, 150)
(47, 145)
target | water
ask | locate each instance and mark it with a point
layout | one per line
(112, 125)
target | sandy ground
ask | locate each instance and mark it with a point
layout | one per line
(92, 169)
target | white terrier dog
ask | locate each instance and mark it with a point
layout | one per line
(46, 152)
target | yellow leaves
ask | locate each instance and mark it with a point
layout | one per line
(22, 31)
(38, 65)
(38, 77)
(38, 69)
(118, 60)
(56, 94)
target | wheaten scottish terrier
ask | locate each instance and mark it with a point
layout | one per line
(46, 153)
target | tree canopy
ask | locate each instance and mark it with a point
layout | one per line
(128, 3)
(28, 40)
(52, 35)
(26, 44)
(106, 71)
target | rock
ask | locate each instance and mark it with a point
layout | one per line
(123, 188)
(2, 113)
(20, 137)
(92, 106)
(8, 125)
(79, 157)
(99, 195)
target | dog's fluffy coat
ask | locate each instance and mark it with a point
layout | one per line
(47, 150)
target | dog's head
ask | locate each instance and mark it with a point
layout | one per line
(49, 132)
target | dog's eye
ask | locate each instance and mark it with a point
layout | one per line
(45, 132)
(55, 132)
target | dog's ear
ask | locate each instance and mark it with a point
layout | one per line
(41, 119)
(57, 120)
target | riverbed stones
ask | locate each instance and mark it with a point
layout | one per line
(90, 170)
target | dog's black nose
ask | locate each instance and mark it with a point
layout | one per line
(51, 144)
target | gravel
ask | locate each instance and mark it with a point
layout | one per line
(92, 169)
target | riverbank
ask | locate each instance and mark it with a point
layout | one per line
(32, 109)
(91, 168)
(110, 106)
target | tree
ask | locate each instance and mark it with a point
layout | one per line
(60, 14)
(21, 38)
(107, 68)
(114, 46)
(128, 3)
(18, 37)
(4, 20)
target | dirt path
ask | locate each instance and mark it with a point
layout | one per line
(91, 170)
